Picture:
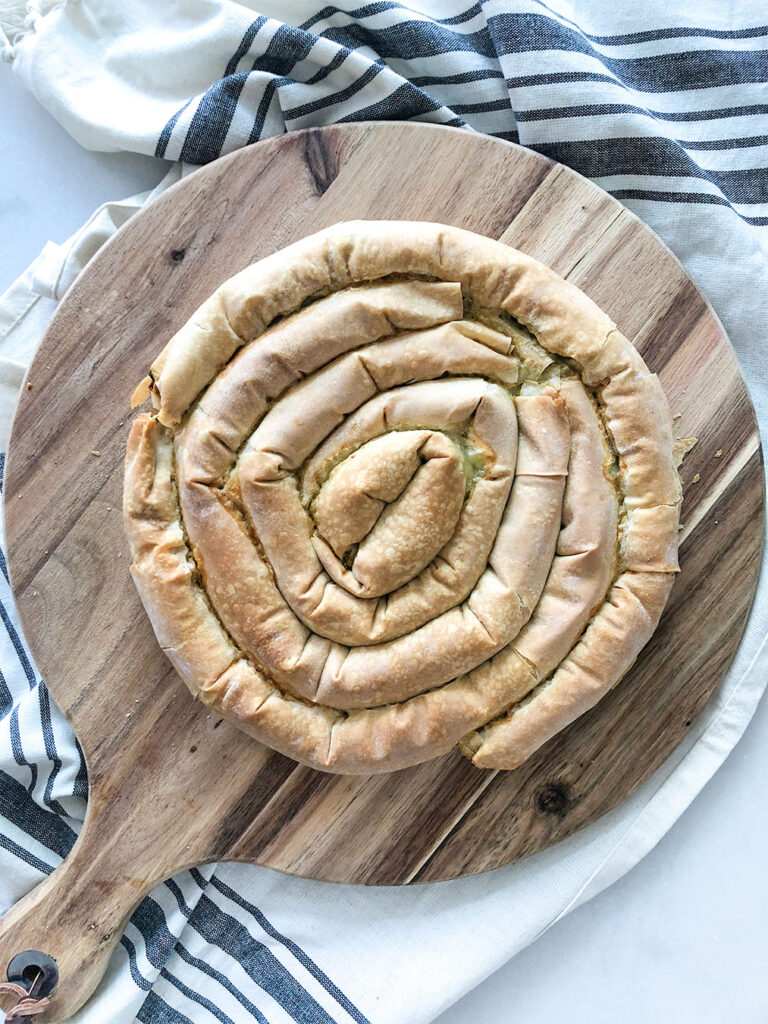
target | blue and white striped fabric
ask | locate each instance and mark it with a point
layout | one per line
(664, 102)
(678, 104)
(668, 110)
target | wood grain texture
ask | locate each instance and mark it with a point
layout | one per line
(170, 784)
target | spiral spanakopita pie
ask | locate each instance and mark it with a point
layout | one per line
(402, 487)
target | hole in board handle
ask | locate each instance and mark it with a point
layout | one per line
(34, 970)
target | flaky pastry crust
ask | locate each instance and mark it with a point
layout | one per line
(402, 487)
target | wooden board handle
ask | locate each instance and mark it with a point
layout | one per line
(76, 916)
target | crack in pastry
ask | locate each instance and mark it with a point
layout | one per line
(401, 488)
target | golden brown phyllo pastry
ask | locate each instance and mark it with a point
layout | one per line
(402, 487)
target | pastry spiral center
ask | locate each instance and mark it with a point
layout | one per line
(387, 510)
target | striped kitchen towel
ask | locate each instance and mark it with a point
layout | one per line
(668, 110)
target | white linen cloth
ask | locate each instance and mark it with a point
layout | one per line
(238, 943)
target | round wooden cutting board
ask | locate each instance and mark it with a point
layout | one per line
(170, 784)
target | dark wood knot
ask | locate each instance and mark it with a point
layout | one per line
(554, 798)
(178, 255)
(322, 162)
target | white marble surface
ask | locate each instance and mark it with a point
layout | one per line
(682, 939)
